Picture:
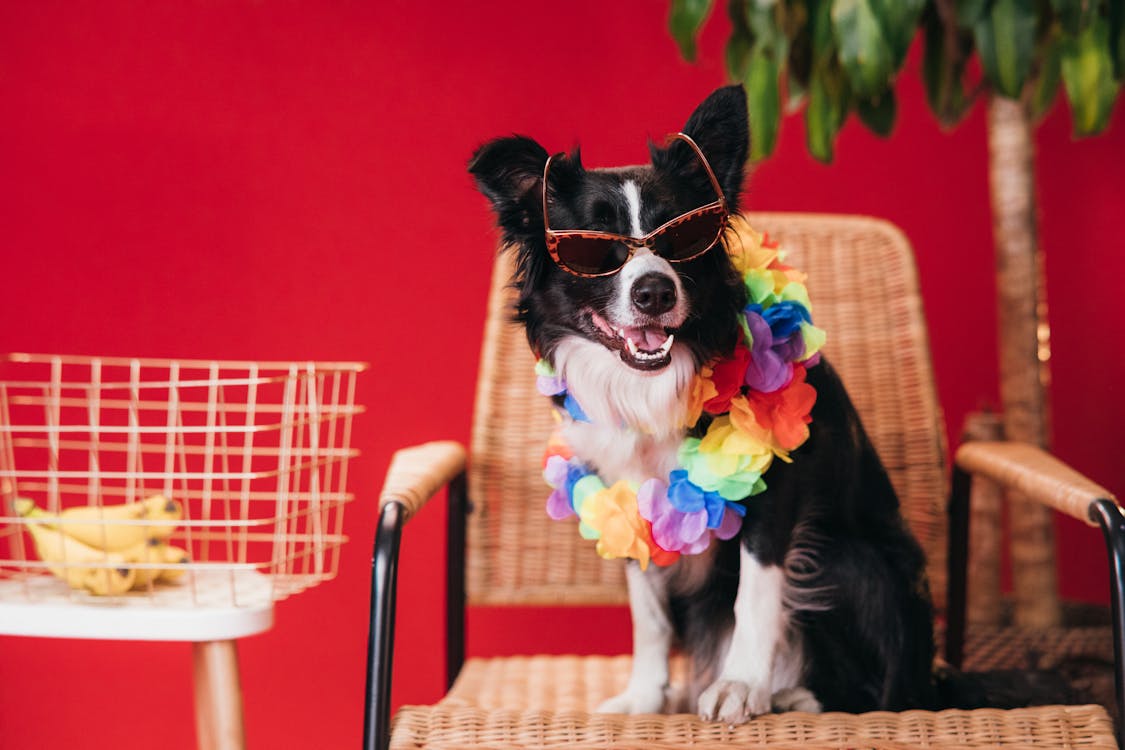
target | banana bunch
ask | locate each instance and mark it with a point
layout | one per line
(91, 534)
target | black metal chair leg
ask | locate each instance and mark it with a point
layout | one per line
(458, 507)
(957, 585)
(380, 637)
(1112, 521)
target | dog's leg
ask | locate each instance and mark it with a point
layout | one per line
(745, 683)
(652, 640)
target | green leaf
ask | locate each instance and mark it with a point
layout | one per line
(1117, 38)
(865, 52)
(798, 29)
(763, 100)
(1005, 37)
(822, 36)
(899, 20)
(762, 18)
(878, 114)
(1075, 15)
(1087, 72)
(1046, 86)
(759, 15)
(738, 54)
(828, 106)
(684, 21)
(971, 11)
(943, 69)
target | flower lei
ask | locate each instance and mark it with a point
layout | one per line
(759, 403)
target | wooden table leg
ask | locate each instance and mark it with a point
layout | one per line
(218, 696)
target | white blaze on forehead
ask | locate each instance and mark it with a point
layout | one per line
(633, 201)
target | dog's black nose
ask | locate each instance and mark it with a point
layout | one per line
(654, 294)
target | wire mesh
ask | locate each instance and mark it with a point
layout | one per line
(205, 483)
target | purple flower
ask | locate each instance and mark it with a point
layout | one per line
(562, 475)
(550, 385)
(768, 369)
(684, 517)
(558, 504)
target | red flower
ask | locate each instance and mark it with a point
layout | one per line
(727, 376)
(557, 446)
(785, 412)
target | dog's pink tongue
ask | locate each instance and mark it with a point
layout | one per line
(649, 338)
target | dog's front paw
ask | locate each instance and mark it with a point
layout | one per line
(795, 699)
(733, 702)
(635, 701)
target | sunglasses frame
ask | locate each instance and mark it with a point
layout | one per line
(635, 243)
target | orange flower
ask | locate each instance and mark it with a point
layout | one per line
(556, 446)
(702, 390)
(785, 413)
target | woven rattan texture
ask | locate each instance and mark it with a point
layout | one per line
(540, 702)
(1034, 473)
(865, 294)
(989, 647)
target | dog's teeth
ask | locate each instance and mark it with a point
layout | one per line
(621, 332)
(667, 344)
(632, 345)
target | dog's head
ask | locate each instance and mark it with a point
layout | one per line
(636, 310)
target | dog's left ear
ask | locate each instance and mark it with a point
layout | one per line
(509, 171)
(720, 127)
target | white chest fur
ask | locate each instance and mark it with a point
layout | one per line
(636, 416)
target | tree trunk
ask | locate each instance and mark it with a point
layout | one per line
(1024, 347)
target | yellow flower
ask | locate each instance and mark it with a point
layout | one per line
(744, 246)
(729, 450)
(742, 417)
(702, 390)
(623, 532)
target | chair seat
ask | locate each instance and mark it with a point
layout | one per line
(546, 701)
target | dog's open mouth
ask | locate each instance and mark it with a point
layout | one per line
(643, 347)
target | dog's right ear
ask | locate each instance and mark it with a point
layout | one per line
(509, 171)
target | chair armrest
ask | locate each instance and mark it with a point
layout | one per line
(414, 476)
(417, 473)
(1038, 476)
(1035, 474)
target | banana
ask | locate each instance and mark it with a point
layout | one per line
(155, 552)
(109, 527)
(109, 582)
(165, 514)
(179, 558)
(148, 552)
(63, 555)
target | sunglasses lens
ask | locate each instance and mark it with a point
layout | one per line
(592, 255)
(690, 237)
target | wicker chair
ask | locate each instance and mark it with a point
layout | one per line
(878, 342)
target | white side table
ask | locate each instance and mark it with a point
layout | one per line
(210, 609)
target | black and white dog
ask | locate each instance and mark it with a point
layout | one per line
(821, 602)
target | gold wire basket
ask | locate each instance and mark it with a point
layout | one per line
(181, 482)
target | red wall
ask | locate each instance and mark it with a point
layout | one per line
(286, 180)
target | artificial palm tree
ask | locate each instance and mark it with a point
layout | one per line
(834, 57)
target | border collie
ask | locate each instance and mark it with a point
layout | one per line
(820, 602)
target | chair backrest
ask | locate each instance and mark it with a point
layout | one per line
(864, 289)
